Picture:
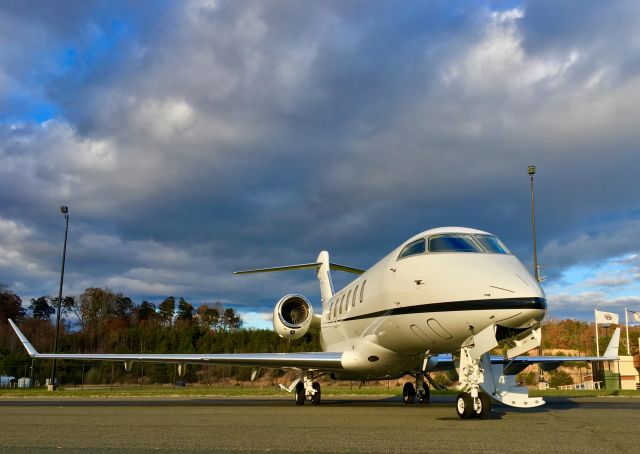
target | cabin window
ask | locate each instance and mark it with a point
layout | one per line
(453, 243)
(353, 300)
(491, 243)
(415, 248)
(362, 291)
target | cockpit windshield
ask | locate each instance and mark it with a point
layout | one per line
(453, 243)
(492, 244)
(456, 242)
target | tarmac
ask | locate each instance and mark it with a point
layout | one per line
(337, 425)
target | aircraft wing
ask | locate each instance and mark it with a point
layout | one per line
(517, 364)
(324, 361)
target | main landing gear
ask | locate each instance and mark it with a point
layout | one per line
(409, 391)
(307, 389)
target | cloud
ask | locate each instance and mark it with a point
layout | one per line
(609, 281)
(613, 240)
(582, 305)
(214, 136)
(257, 319)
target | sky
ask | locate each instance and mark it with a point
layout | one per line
(192, 139)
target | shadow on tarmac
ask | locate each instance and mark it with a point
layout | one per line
(499, 410)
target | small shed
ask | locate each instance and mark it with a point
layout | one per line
(7, 381)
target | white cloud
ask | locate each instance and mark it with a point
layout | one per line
(16, 243)
(609, 242)
(164, 119)
(248, 129)
(145, 287)
(259, 320)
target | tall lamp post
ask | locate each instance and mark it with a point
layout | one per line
(531, 170)
(536, 270)
(65, 212)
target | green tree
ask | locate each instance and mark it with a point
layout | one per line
(559, 378)
(97, 305)
(122, 307)
(146, 311)
(209, 317)
(230, 321)
(70, 306)
(166, 310)
(185, 310)
(41, 308)
(10, 305)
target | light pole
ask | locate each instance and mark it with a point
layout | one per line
(65, 212)
(536, 270)
(531, 170)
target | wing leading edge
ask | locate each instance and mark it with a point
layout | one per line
(324, 361)
(321, 361)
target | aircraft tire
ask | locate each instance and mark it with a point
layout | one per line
(464, 406)
(426, 395)
(315, 399)
(300, 397)
(408, 393)
(485, 406)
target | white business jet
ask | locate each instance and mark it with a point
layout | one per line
(442, 300)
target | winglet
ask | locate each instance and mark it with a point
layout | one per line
(614, 344)
(27, 345)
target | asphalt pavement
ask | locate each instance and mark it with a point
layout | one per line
(338, 425)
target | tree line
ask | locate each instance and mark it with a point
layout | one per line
(96, 307)
(103, 321)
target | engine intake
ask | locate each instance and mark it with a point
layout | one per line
(293, 317)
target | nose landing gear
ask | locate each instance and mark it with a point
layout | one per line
(469, 407)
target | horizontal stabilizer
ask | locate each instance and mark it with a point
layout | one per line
(303, 266)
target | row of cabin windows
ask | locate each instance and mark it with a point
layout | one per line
(347, 301)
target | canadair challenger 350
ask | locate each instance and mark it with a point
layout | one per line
(442, 300)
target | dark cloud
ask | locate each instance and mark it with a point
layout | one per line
(213, 136)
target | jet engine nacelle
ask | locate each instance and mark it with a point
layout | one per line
(293, 317)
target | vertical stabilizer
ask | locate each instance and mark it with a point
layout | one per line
(614, 344)
(324, 276)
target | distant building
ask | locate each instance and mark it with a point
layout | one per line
(24, 382)
(7, 381)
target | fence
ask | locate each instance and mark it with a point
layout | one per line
(80, 374)
(587, 385)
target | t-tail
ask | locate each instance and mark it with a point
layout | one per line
(323, 267)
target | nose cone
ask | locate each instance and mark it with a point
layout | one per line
(506, 275)
(512, 280)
